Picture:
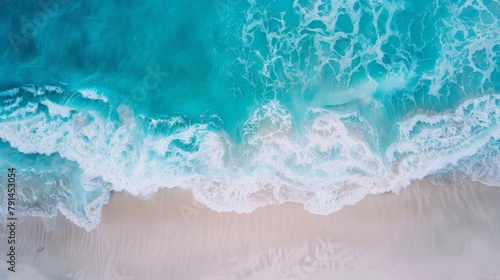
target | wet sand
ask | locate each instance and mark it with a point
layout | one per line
(425, 232)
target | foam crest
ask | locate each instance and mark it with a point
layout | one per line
(92, 94)
(57, 110)
(334, 158)
(427, 144)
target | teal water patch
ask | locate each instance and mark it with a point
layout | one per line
(317, 102)
(155, 56)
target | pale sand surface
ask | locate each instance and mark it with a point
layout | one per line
(425, 232)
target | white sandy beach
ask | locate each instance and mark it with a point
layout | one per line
(425, 232)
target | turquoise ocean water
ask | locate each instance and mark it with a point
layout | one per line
(244, 102)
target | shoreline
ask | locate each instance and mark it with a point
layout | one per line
(424, 232)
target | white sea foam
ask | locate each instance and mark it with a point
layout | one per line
(430, 143)
(18, 112)
(38, 91)
(11, 104)
(333, 160)
(57, 110)
(9, 92)
(93, 95)
(323, 47)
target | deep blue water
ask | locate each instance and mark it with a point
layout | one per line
(247, 103)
